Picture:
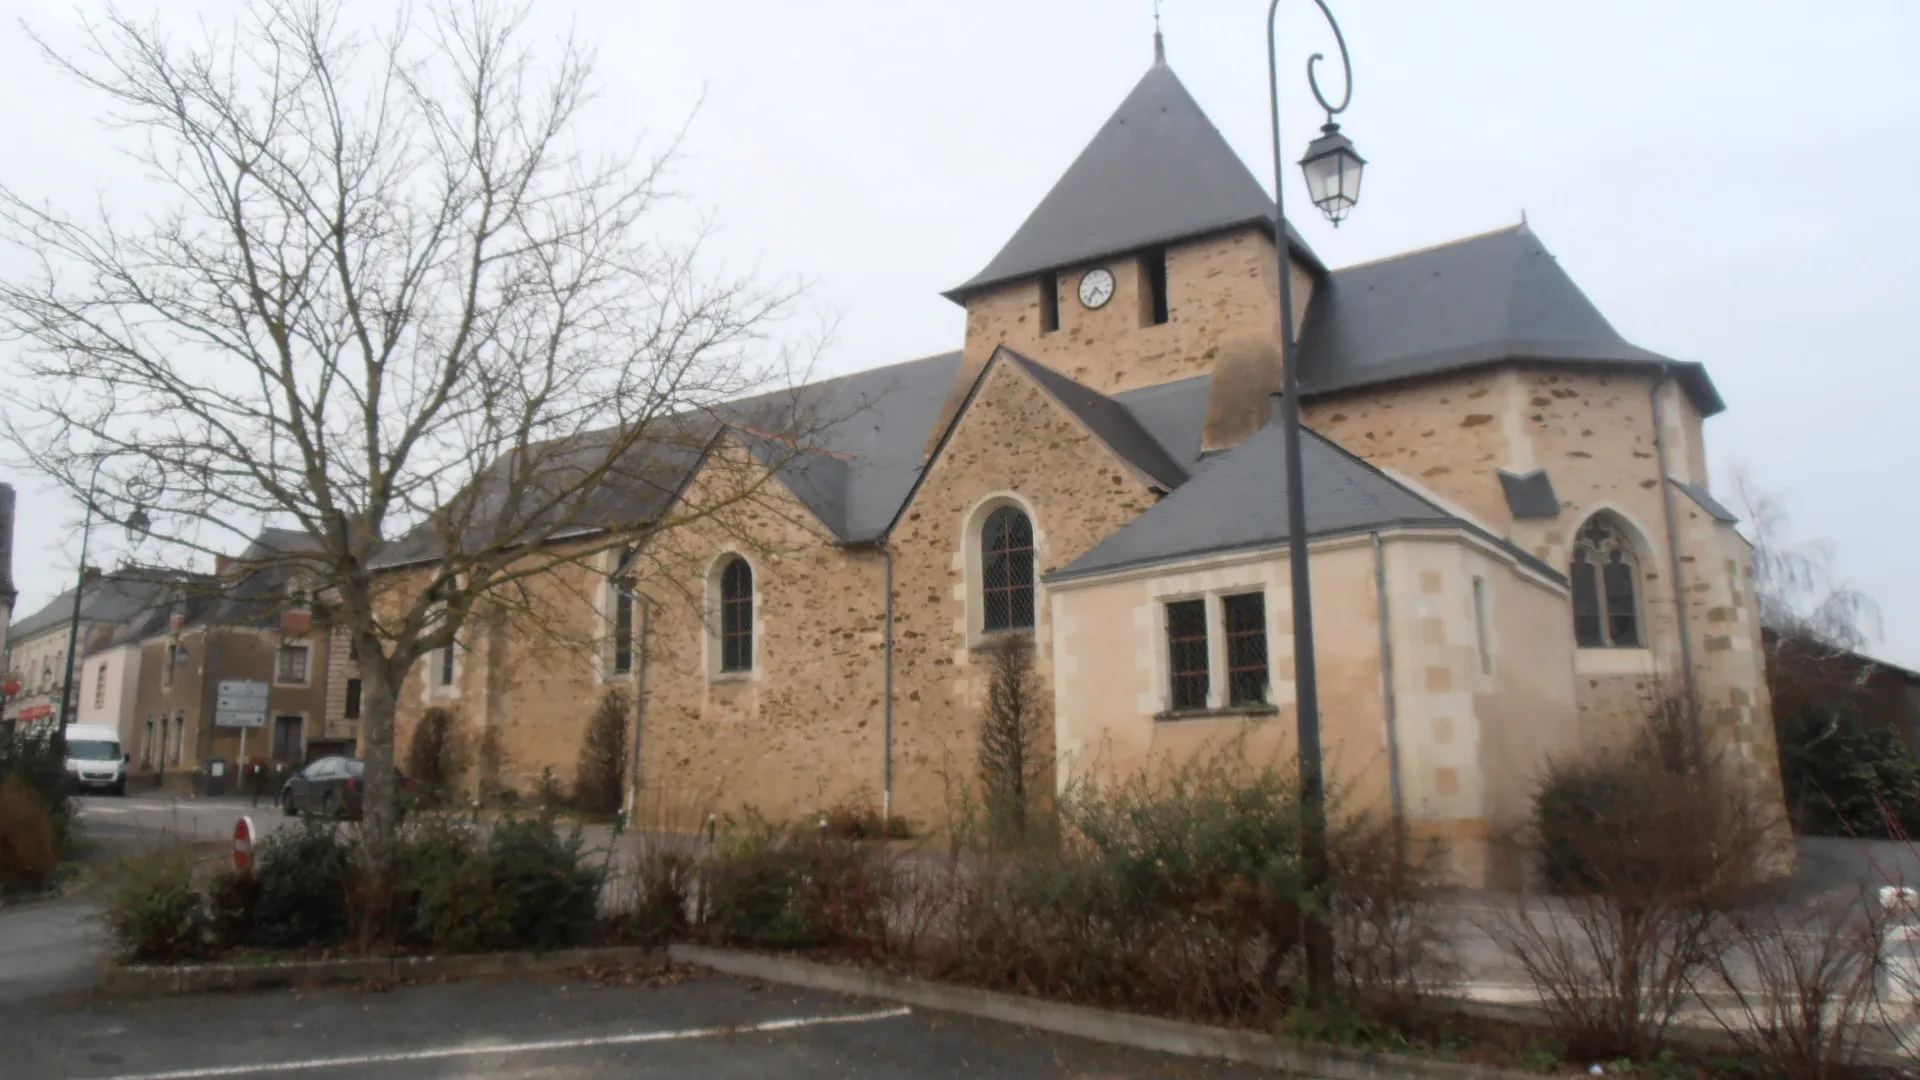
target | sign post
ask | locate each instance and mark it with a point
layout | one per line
(243, 846)
(241, 703)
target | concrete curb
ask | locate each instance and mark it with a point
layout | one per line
(1100, 1025)
(117, 980)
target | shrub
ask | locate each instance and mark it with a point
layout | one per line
(303, 883)
(600, 782)
(33, 757)
(855, 818)
(231, 900)
(156, 915)
(793, 888)
(1648, 848)
(434, 760)
(656, 909)
(1847, 776)
(447, 877)
(29, 838)
(549, 891)
(1794, 985)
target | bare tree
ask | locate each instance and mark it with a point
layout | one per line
(392, 301)
(1800, 594)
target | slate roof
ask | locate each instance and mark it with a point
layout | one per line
(1483, 300)
(110, 598)
(1530, 495)
(1698, 493)
(1109, 421)
(1238, 500)
(1157, 171)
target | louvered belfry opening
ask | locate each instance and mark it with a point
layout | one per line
(1006, 563)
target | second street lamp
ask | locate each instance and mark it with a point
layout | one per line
(1333, 180)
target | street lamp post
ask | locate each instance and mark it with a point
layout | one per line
(137, 522)
(1333, 182)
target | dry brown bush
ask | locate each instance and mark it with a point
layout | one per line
(29, 837)
(1648, 848)
(1794, 985)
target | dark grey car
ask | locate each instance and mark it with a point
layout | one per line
(329, 787)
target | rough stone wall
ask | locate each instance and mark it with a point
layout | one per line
(1594, 433)
(1449, 435)
(798, 734)
(340, 667)
(1013, 441)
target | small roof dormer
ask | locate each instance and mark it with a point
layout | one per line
(1157, 172)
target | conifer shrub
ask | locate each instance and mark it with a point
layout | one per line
(434, 759)
(1847, 776)
(600, 780)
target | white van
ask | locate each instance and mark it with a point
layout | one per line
(94, 758)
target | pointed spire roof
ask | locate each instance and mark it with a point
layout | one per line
(1158, 171)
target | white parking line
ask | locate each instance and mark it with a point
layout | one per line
(438, 1053)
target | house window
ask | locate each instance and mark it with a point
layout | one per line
(100, 687)
(1006, 564)
(165, 726)
(736, 616)
(1187, 653)
(286, 738)
(443, 668)
(179, 735)
(352, 710)
(1246, 634)
(1606, 576)
(1153, 283)
(1049, 302)
(292, 666)
(176, 657)
(623, 618)
(146, 746)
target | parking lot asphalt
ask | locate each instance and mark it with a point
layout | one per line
(562, 1027)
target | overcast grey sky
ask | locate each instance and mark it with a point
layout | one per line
(1732, 181)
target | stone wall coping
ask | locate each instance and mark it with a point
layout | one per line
(141, 980)
(1101, 1025)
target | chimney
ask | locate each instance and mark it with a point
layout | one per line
(222, 564)
(1246, 375)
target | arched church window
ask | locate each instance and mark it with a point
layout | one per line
(1606, 587)
(1006, 564)
(736, 616)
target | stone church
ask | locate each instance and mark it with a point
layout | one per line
(1514, 547)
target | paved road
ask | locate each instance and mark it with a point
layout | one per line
(716, 1027)
(153, 817)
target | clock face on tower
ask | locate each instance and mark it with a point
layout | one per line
(1096, 287)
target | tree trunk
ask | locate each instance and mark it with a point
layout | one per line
(378, 699)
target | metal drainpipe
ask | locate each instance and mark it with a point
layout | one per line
(886, 789)
(639, 707)
(1386, 682)
(1673, 550)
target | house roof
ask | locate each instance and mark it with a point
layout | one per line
(1488, 299)
(109, 598)
(1714, 508)
(1156, 172)
(1530, 495)
(1110, 421)
(1238, 500)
